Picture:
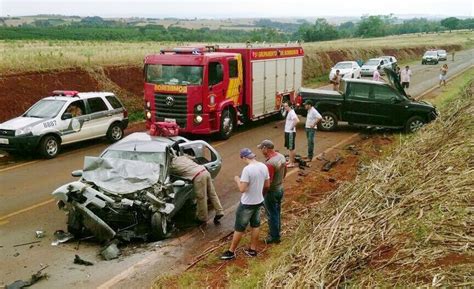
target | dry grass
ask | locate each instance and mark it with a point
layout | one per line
(406, 221)
(22, 56)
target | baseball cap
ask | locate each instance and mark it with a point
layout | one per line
(308, 101)
(246, 153)
(266, 144)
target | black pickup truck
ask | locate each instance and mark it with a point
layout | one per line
(369, 103)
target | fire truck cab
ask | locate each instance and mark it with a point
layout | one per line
(208, 89)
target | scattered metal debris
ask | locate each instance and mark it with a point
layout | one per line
(61, 237)
(24, 244)
(39, 234)
(16, 254)
(18, 284)
(110, 252)
(78, 260)
(332, 180)
(329, 164)
(353, 149)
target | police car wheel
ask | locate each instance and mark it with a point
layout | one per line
(49, 147)
(115, 132)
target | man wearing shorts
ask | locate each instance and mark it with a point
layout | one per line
(290, 132)
(254, 179)
(405, 76)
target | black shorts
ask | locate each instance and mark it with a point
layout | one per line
(405, 84)
(290, 140)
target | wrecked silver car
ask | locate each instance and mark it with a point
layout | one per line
(128, 193)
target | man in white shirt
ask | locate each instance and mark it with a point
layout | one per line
(312, 119)
(290, 132)
(405, 76)
(255, 177)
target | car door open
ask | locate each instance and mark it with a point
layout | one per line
(204, 154)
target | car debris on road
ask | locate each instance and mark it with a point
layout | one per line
(78, 260)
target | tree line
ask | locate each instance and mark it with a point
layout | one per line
(96, 28)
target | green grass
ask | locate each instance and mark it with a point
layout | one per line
(136, 116)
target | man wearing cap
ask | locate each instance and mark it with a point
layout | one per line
(184, 167)
(254, 179)
(276, 164)
(312, 119)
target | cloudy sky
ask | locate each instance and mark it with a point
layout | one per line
(235, 8)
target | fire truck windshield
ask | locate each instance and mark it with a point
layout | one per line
(174, 74)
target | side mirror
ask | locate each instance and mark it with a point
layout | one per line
(66, 115)
(179, 183)
(77, 173)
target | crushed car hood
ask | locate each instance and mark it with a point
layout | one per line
(119, 176)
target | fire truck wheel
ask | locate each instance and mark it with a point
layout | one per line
(227, 124)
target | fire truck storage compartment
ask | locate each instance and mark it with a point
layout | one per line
(272, 77)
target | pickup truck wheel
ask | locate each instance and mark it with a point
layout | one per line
(227, 124)
(49, 147)
(414, 124)
(159, 226)
(115, 132)
(329, 121)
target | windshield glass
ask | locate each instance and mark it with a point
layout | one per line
(441, 51)
(45, 108)
(343, 65)
(372, 62)
(431, 53)
(149, 157)
(174, 74)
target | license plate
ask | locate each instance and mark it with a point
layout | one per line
(3, 141)
(173, 120)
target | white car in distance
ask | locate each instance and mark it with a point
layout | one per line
(347, 69)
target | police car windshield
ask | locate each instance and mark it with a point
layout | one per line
(372, 62)
(174, 74)
(46, 108)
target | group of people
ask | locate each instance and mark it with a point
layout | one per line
(260, 183)
(405, 75)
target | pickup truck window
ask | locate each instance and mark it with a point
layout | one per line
(384, 94)
(359, 91)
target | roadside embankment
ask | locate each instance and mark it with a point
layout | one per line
(406, 220)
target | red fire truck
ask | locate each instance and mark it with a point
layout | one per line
(211, 89)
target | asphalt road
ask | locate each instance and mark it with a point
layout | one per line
(26, 206)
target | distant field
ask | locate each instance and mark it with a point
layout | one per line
(25, 56)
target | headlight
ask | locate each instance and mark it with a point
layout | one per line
(212, 99)
(199, 108)
(23, 131)
(147, 104)
(148, 114)
(198, 119)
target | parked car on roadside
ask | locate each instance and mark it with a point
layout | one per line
(442, 54)
(391, 60)
(371, 65)
(65, 117)
(128, 192)
(430, 56)
(347, 69)
(369, 103)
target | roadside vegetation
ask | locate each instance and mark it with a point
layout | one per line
(34, 55)
(405, 221)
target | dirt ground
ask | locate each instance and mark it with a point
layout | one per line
(302, 192)
(28, 88)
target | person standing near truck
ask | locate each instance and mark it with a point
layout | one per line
(312, 119)
(376, 75)
(290, 133)
(405, 77)
(443, 72)
(276, 164)
(336, 80)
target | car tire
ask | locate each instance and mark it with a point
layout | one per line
(328, 122)
(115, 132)
(159, 227)
(49, 146)
(414, 124)
(227, 124)
(422, 63)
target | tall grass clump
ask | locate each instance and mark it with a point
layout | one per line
(406, 221)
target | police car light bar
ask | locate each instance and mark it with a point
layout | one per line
(65, 92)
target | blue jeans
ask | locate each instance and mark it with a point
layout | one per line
(246, 214)
(310, 136)
(272, 204)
